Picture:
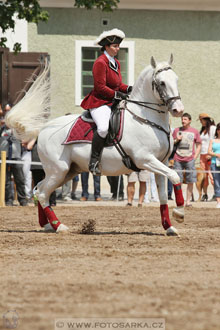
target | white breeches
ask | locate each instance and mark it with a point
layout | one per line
(101, 117)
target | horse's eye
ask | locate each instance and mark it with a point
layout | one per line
(162, 84)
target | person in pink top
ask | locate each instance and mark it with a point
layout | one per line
(188, 149)
(207, 133)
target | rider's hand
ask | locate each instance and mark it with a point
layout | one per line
(129, 89)
(120, 96)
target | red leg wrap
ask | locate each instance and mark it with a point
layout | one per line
(51, 216)
(41, 215)
(165, 216)
(178, 194)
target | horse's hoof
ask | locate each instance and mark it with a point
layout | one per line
(49, 229)
(178, 213)
(62, 228)
(172, 231)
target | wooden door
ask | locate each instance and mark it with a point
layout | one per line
(16, 71)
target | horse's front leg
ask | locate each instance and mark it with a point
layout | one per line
(154, 165)
(164, 210)
(178, 211)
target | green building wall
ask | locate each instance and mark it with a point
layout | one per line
(193, 38)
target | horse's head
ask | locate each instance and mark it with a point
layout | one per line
(164, 85)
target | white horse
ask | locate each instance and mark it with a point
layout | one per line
(146, 139)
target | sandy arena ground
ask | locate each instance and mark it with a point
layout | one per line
(128, 268)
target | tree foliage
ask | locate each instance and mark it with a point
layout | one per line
(104, 5)
(31, 11)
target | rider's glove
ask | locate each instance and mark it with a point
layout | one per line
(129, 89)
(120, 96)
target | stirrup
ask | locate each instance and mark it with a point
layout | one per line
(94, 168)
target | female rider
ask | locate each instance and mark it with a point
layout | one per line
(107, 86)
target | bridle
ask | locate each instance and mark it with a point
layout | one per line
(159, 89)
(165, 102)
(155, 85)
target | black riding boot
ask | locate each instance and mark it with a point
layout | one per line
(97, 147)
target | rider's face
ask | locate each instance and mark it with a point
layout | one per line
(112, 49)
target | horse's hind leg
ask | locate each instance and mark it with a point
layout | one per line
(164, 211)
(43, 221)
(47, 217)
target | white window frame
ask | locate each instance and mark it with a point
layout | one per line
(79, 44)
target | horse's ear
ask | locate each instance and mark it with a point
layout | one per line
(171, 59)
(153, 62)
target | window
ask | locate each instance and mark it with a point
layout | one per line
(87, 53)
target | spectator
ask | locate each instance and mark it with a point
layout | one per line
(132, 179)
(151, 189)
(85, 187)
(65, 194)
(38, 173)
(1, 111)
(169, 183)
(214, 152)
(26, 158)
(184, 159)
(207, 133)
(74, 186)
(13, 152)
(170, 164)
(69, 190)
(113, 181)
(7, 108)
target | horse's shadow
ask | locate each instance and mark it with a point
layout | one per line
(41, 231)
(38, 231)
(146, 233)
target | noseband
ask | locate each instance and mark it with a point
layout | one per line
(160, 90)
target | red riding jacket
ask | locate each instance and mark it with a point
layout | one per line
(107, 80)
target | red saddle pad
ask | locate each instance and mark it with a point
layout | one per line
(82, 132)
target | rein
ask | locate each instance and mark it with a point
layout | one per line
(145, 104)
(165, 102)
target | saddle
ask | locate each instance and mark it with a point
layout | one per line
(114, 131)
(83, 129)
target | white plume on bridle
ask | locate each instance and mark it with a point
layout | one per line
(31, 113)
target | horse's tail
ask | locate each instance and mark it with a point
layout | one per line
(31, 113)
